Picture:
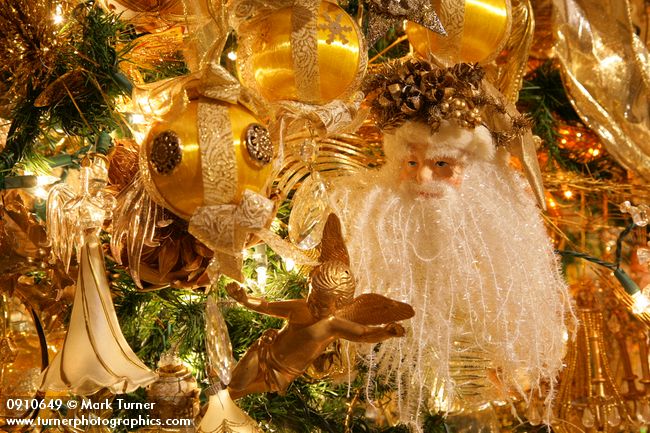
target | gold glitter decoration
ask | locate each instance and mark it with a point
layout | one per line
(384, 14)
(31, 45)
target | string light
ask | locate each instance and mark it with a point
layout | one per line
(261, 265)
(58, 15)
(232, 55)
(137, 119)
(641, 302)
(39, 190)
(581, 142)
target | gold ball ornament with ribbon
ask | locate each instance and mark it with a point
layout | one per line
(476, 30)
(311, 52)
(207, 154)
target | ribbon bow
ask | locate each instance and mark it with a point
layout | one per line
(224, 228)
(214, 81)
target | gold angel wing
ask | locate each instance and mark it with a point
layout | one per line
(374, 309)
(332, 245)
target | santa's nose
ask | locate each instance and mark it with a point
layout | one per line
(425, 174)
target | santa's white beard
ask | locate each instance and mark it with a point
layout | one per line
(479, 270)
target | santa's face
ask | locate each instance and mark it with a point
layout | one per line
(427, 175)
(431, 164)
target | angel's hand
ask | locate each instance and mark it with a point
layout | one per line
(237, 292)
(395, 329)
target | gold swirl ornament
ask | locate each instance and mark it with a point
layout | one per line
(312, 55)
(209, 153)
(477, 31)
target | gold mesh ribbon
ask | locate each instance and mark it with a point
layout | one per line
(452, 15)
(604, 66)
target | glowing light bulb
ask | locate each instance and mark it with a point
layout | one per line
(39, 192)
(568, 193)
(289, 265)
(137, 119)
(46, 180)
(232, 55)
(262, 276)
(58, 15)
(641, 303)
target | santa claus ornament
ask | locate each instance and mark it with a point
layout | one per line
(448, 226)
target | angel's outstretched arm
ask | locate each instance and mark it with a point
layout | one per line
(282, 309)
(366, 334)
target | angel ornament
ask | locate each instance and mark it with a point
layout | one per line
(95, 354)
(330, 312)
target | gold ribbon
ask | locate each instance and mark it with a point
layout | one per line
(605, 70)
(224, 228)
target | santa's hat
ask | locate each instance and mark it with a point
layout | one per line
(417, 91)
(448, 141)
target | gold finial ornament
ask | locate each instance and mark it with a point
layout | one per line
(476, 30)
(329, 313)
(310, 52)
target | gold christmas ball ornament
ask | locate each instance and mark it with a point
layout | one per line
(476, 31)
(297, 54)
(207, 153)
